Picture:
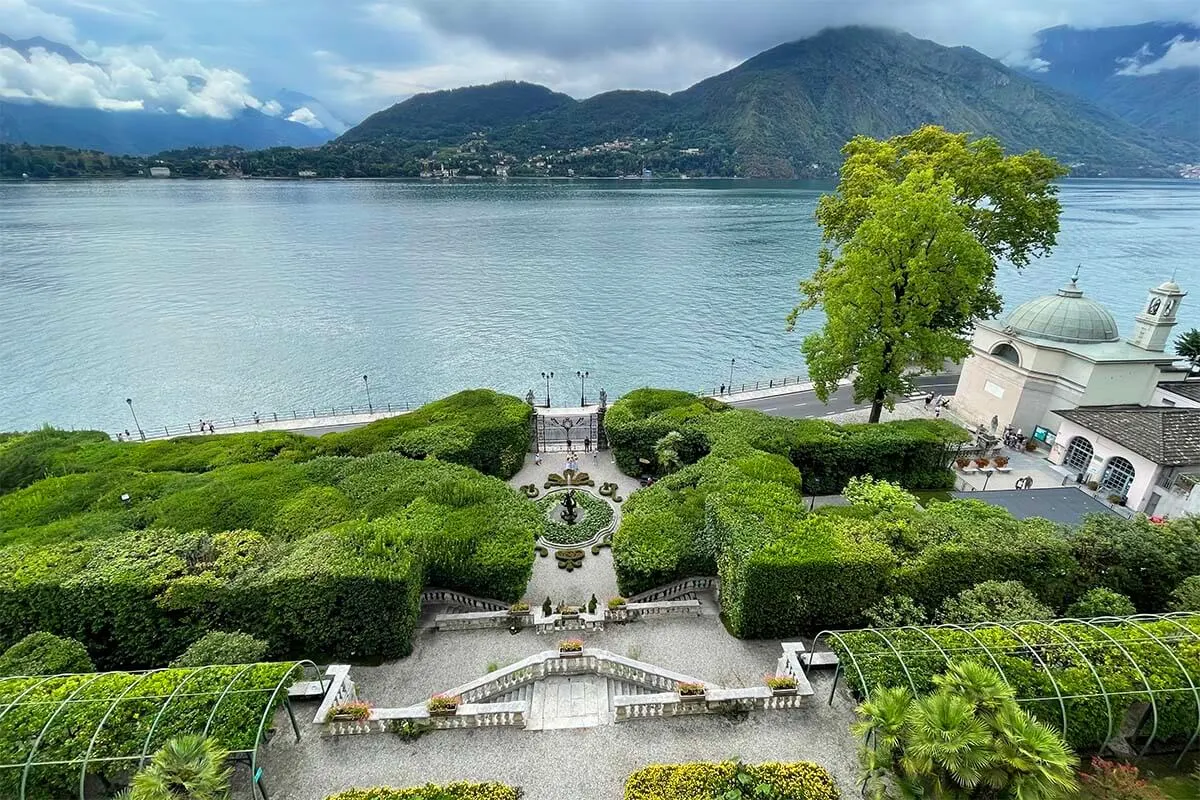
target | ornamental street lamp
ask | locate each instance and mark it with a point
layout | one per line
(583, 376)
(547, 376)
(731, 374)
(129, 401)
(367, 386)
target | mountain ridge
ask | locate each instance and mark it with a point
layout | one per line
(790, 108)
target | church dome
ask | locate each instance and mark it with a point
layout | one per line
(1067, 316)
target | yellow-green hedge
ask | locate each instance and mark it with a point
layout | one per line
(800, 780)
(449, 791)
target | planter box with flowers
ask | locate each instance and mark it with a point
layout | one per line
(569, 612)
(963, 463)
(518, 609)
(982, 463)
(690, 691)
(443, 705)
(1001, 463)
(351, 711)
(570, 648)
(781, 685)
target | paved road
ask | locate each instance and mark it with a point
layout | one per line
(806, 403)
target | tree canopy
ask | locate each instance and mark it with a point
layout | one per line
(913, 237)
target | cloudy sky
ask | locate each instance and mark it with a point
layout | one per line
(361, 55)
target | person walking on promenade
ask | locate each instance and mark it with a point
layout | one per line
(587, 445)
(928, 400)
(722, 388)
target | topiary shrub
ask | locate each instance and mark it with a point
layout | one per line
(799, 780)
(1103, 602)
(993, 601)
(219, 647)
(44, 653)
(878, 495)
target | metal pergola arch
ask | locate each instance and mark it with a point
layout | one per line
(1135, 630)
(19, 693)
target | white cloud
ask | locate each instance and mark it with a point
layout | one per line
(305, 116)
(125, 79)
(1180, 53)
(21, 20)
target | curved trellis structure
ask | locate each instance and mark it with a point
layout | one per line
(1134, 677)
(59, 732)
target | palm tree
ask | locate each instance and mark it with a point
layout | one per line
(666, 450)
(187, 767)
(1187, 345)
(968, 740)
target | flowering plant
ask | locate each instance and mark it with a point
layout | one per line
(780, 682)
(687, 689)
(443, 702)
(570, 646)
(355, 709)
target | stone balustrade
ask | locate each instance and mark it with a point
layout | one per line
(635, 611)
(449, 597)
(557, 623)
(479, 620)
(681, 589)
(670, 704)
(341, 690)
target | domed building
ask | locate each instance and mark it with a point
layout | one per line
(1063, 351)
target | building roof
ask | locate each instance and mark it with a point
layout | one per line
(1066, 504)
(1067, 316)
(1188, 389)
(1170, 437)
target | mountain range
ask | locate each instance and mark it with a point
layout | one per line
(788, 110)
(156, 129)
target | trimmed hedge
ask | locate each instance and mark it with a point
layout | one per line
(800, 780)
(598, 516)
(450, 791)
(44, 653)
(782, 572)
(911, 453)
(1087, 717)
(128, 726)
(477, 428)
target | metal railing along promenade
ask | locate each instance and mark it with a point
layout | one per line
(272, 420)
(799, 381)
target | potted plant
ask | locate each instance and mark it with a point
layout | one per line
(1000, 461)
(1031, 445)
(519, 608)
(781, 684)
(1116, 499)
(690, 691)
(982, 463)
(570, 648)
(568, 612)
(963, 463)
(443, 705)
(350, 711)
(617, 602)
(1093, 485)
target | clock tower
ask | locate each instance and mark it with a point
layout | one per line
(1152, 326)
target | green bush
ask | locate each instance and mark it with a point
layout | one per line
(449, 791)
(782, 574)
(993, 601)
(1081, 662)
(801, 780)
(1135, 557)
(29, 457)
(878, 495)
(1104, 603)
(954, 545)
(1186, 596)
(895, 611)
(220, 647)
(477, 428)
(44, 653)
(127, 728)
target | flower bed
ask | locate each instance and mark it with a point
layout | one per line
(801, 780)
(597, 517)
(448, 791)
(352, 710)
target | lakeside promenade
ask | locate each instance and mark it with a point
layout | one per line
(787, 397)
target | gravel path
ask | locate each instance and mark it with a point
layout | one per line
(581, 764)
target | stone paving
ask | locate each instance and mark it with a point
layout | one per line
(575, 764)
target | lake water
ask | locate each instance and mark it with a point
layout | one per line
(212, 299)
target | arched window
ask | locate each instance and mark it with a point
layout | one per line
(1079, 454)
(1006, 352)
(1118, 475)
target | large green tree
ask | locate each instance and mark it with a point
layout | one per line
(968, 740)
(912, 240)
(1187, 345)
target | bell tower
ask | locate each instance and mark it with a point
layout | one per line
(1152, 326)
